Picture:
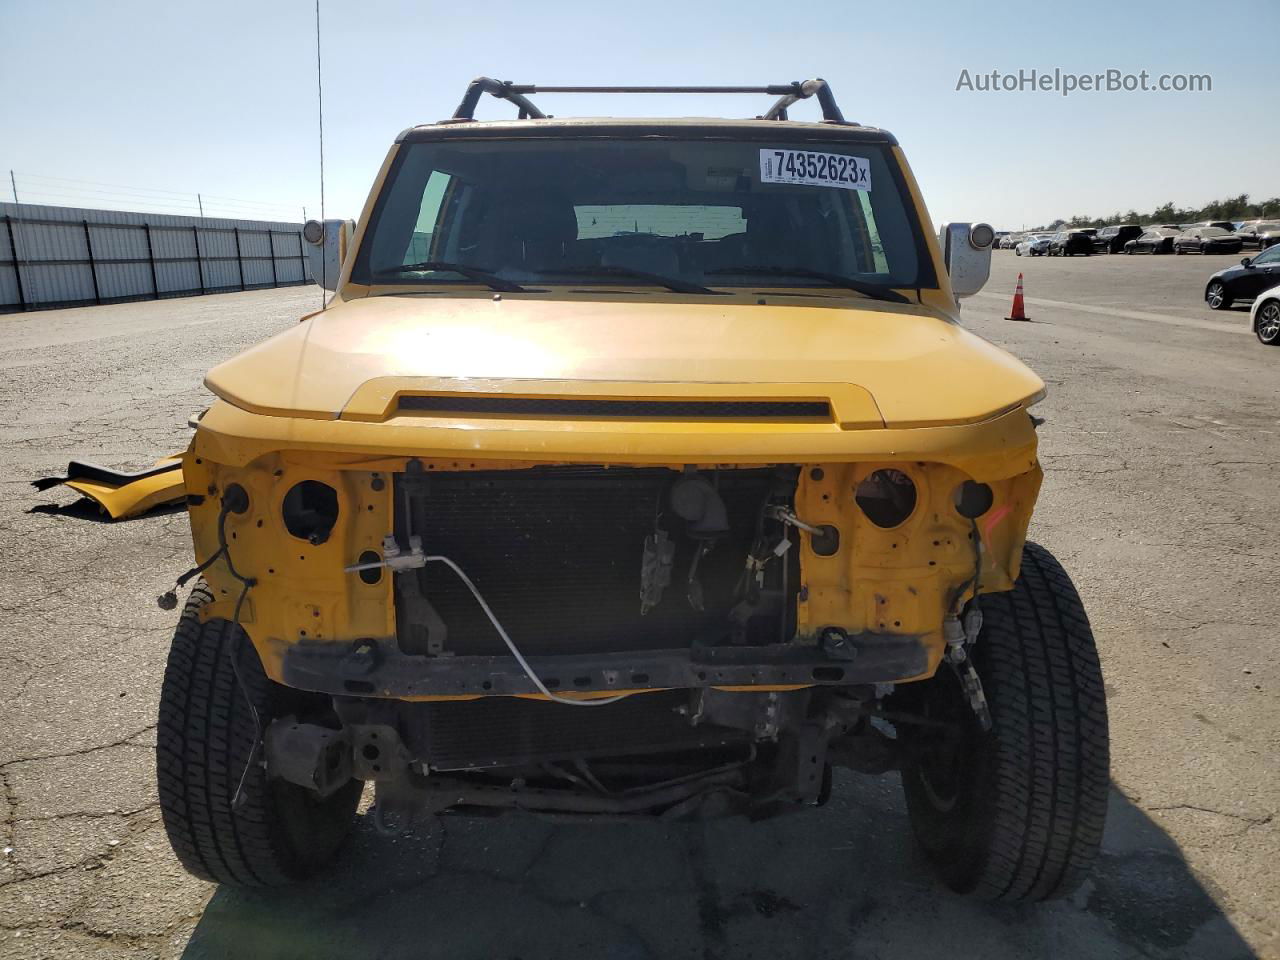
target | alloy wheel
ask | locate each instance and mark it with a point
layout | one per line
(1269, 323)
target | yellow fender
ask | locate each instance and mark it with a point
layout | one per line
(123, 495)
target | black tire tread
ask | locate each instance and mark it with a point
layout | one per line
(1040, 666)
(1037, 792)
(204, 738)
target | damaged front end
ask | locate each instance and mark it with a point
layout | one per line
(737, 626)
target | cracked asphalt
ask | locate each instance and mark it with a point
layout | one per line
(1161, 450)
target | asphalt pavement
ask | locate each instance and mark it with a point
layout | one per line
(1161, 448)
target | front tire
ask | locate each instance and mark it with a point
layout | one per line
(205, 740)
(1268, 328)
(1216, 296)
(1015, 813)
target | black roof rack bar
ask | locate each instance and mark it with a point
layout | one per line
(503, 91)
(810, 88)
(517, 93)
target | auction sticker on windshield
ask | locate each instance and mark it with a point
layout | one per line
(815, 169)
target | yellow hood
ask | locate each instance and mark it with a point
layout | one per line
(916, 366)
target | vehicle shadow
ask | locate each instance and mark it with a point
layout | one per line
(842, 881)
(86, 509)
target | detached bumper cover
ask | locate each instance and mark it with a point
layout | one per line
(380, 670)
(123, 495)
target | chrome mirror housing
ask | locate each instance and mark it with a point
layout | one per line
(327, 244)
(966, 250)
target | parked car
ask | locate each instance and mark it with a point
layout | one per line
(1155, 240)
(1070, 242)
(1206, 240)
(1265, 317)
(1113, 239)
(1033, 245)
(1247, 232)
(1227, 225)
(1244, 281)
(1257, 233)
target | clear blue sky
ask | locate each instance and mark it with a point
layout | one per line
(219, 97)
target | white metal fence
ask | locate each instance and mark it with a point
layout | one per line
(70, 256)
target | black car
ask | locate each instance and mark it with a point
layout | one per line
(1070, 242)
(1207, 240)
(1113, 239)
(1159, 240)
(1256, 234)
(1251, 277)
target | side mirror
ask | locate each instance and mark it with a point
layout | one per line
(327, 245)
(966, 250)
(1247, 262)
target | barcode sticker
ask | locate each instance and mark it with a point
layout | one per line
(806, 168)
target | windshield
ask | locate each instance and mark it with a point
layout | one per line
(697, 213)
(1212, 232)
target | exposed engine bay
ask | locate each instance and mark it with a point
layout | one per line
(676, 754)
(613, 579)
(600, 560)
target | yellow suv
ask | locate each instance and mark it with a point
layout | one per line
(635, 467)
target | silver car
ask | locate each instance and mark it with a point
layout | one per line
(1034, 245)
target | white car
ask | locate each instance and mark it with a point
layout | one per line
(1264, 318)
(1035, 245)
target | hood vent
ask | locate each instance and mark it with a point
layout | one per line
(782, 410)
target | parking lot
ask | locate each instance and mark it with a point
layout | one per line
(1161, 450)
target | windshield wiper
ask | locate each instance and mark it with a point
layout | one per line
(598, 270)
(487, 277)
(835, 279)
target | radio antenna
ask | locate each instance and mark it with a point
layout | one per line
(324, 254)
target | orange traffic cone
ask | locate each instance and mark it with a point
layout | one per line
(1019, 311)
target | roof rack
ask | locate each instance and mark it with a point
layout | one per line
(517, 93)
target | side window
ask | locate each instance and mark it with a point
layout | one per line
(423, 244)
(1269, 255)
(878, 261)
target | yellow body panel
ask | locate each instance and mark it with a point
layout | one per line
(905, 365)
